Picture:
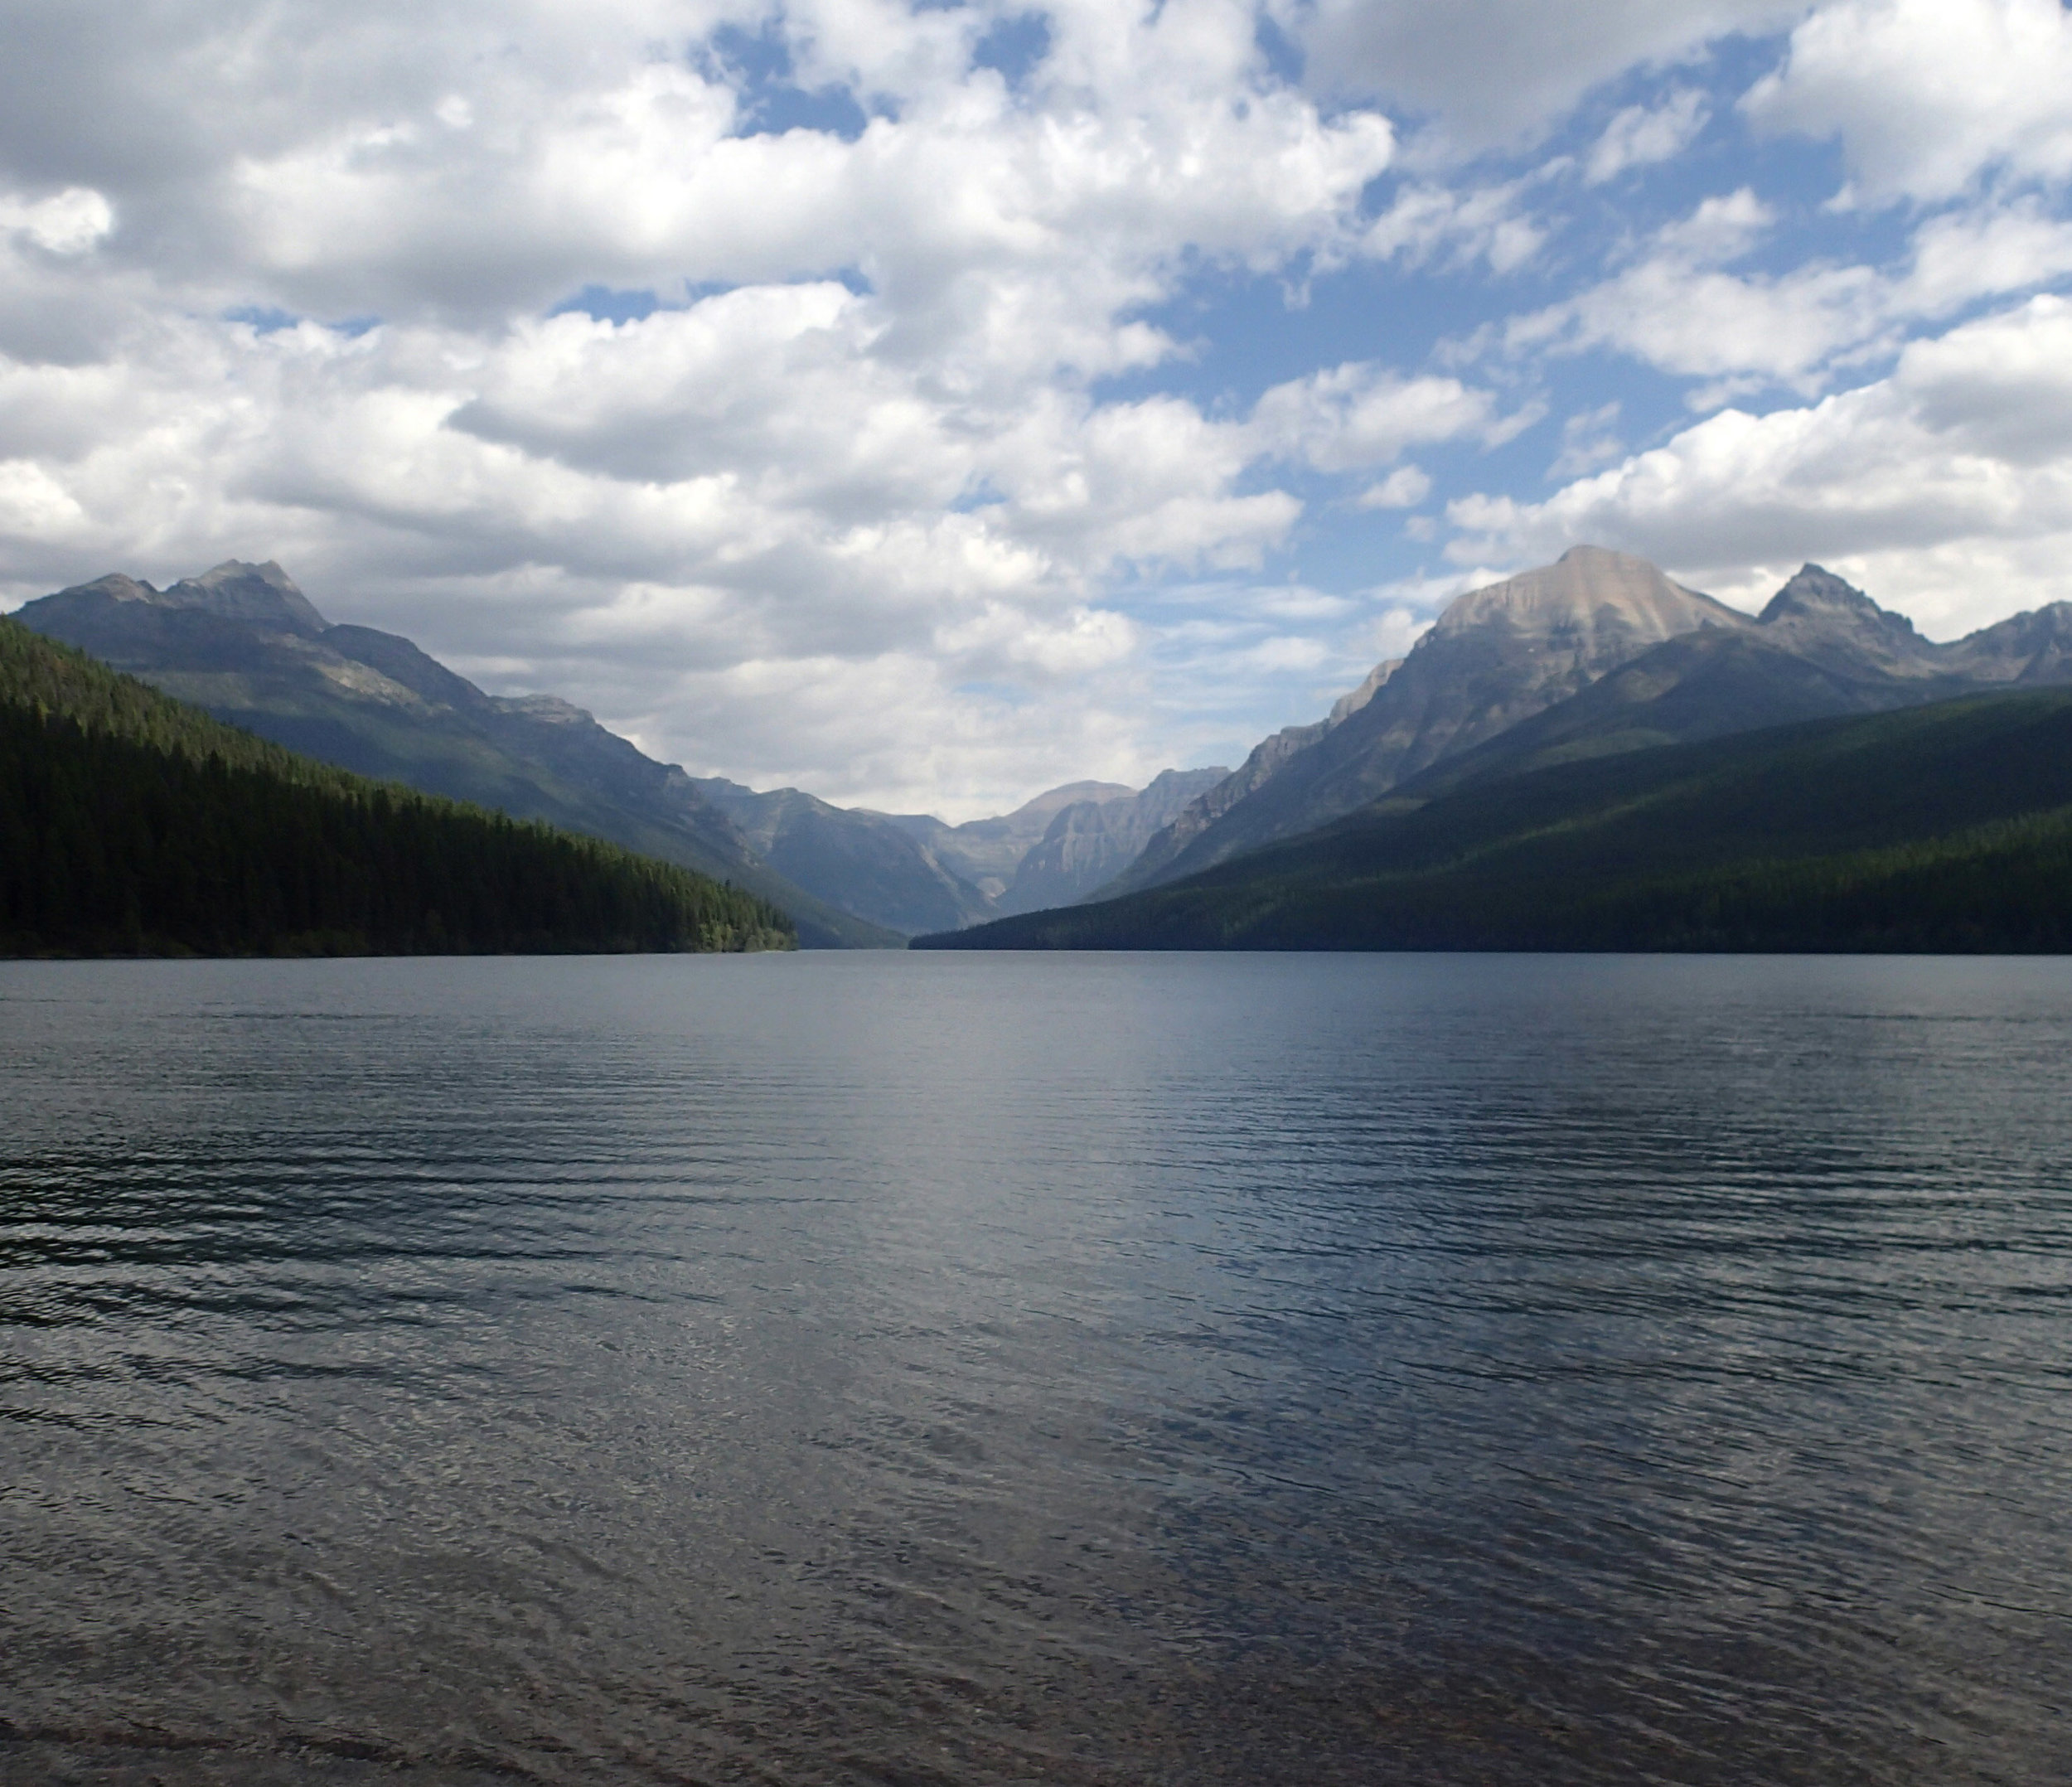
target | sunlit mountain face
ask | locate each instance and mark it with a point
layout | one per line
(927, 406)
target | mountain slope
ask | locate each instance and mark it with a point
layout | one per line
(131, 823)
(1947, 826)
(243, 642)
(988, 853)
(1267, 758)
(1835, 626)
(865, 861)
(1819, 648)
(1495, 656)
(2026, 649)
(1088, 843)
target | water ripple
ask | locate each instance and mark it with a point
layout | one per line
(1117, 1370)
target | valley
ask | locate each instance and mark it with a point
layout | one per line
(1598, 655)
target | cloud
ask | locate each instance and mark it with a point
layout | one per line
(852, 425)
(1677, 308)
(831, 398)
(1948, 483)
(1992, 249)
(1360, 414)
(1639, 136)
(1589, 440)
(1427, 224)
(66, 223)
(1494, 71)
(1680, 307)
(1403, 488)
(1928, 95)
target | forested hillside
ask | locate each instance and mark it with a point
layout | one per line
(1941, 828)
(131, 823)
(242, 642)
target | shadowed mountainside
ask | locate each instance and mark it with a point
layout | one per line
(1495, 656)
(988, 853)
(243, 643)
(1820, 648)
(1266, 760)
(916, 873)
(865, 862)
(1502, 682)
(1089, 842)
(1940, 827)
(132, 824)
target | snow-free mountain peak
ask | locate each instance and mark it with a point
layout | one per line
(262, 595)
(1496, 656)
(243, 642)
(1588, 592)
(1596, 654)
(1832, 623)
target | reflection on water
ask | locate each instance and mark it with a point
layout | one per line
(1083, 1369)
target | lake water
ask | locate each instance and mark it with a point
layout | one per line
(989, 1369)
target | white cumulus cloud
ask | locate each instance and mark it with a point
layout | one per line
(1927, 95)
(1946, 487)
(1638, 136)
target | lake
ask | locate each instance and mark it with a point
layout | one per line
(983, 1369)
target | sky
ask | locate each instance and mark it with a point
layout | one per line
(925, 404)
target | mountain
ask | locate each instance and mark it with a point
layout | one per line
(1089, 842)
(915, 873)
(135, 825)
(1495, 656)
(1267, 759)
(867, 863)
(1819, 648)
(988, 853)
(244, 643)
(1945, 826)
(2030, 648)
(1835, 626)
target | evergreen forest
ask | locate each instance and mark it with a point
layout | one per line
(1945, 829)
(133, 824)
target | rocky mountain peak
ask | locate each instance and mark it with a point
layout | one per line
(2035, 646)
(1353, 701)
(1814, 590)
(1052, 801)
(1588, 590)
(117, 587)
(1833, 623)
(262, 595)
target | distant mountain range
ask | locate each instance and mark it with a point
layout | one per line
(1942, 827)
(132, 824)
(1590, 755)
(1064, 844)
(1598, 653)
(243, 642)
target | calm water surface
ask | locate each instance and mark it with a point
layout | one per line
(1092, 1369)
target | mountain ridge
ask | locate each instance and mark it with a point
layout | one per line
(243, 643)
(1940, 826)
(243, 640)
(133, 824)
(1495, 656)
(1820, 648)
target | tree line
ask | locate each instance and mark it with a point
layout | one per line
(133, 824)
(1944, 828)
